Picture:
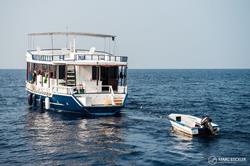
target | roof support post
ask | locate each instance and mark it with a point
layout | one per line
(57, 74)
(52, 43)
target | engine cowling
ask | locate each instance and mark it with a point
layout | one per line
(206, 122)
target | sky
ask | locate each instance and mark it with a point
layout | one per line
(154, 34)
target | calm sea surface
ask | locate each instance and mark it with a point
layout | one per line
(141, 134)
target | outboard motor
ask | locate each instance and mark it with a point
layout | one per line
(206, 122)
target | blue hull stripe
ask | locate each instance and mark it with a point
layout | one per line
(70, 103)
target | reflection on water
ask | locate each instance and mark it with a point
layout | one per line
(86, 137)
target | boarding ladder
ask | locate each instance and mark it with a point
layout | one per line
(70, 75)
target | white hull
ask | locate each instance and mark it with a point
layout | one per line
(184, 129)
(190, 125)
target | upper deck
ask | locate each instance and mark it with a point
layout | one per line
(72, 55)
(78, 56)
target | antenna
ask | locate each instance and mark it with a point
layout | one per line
(52, 43)
(67, 37)
(114, 47)
(74, 45)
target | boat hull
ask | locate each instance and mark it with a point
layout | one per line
(69, 103)
(190, 131)
(187, 129)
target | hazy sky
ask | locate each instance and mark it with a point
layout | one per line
(153, 33)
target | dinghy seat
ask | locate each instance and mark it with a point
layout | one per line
(178, 118)
(197, 124)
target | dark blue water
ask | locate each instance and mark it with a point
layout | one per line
(141, 135)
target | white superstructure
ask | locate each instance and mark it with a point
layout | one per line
(93, 78)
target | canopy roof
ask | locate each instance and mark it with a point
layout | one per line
(72, 34)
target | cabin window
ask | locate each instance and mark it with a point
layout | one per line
(113, 72)
(45, 67)
(122, 75)
(33, 67)
(61, 72)
(28, 73)
(39, 69)
(52, 71)
(95, 73)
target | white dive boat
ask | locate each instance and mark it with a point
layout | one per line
(78, 80)
(192, 125)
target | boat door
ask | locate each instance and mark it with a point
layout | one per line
(109, 76)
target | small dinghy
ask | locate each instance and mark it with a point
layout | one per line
(192, 125)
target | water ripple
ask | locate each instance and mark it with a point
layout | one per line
(141, 135)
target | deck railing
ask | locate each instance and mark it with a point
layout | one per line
(67, 90)
(70, 90)
(101, 57)
(38, 89)
(97, 56)
(48, 57)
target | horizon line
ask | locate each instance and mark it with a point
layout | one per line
(225, 68)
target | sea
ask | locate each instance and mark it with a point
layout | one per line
(141, 134)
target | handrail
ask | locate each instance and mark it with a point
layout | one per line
(111, 93)
(110, 89)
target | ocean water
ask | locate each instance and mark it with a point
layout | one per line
(141, 135)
